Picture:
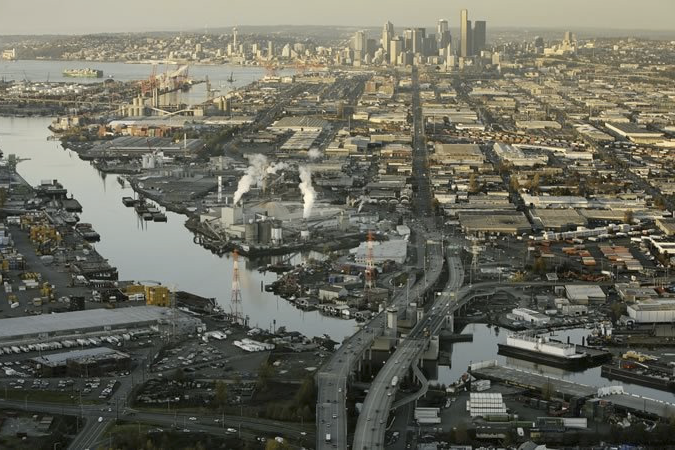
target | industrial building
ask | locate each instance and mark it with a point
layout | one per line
(652, 311)
(468, 154)
(499, 222)
(393, 250)
(88, 362)
(47, 327)
(530, 316)
(135, 147)
(585, 294)
(557, 219)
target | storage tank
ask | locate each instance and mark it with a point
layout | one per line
(265, 232)
(277, 233)
(251, 232)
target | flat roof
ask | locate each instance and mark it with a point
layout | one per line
(59, 323)
(56, 359)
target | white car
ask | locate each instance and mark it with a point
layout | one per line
(193, 418)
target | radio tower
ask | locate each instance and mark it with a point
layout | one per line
(370, 267)
(235, 302)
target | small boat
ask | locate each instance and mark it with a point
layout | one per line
(129, 202)
(159, 217)
(147, 216)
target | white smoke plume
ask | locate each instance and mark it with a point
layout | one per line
(254, 174)
(308, 192)
(314, 153)
(276, 167)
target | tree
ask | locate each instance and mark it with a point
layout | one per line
(660, 202)
(221, 394)
(265, 373)
(547, 391)
(534, 184)
(514, 184)
(539, 266)
(628, 216)
(273, 444)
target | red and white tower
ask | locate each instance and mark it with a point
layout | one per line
(370, 267)
(235, 302)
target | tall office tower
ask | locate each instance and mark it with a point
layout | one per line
(479, 36)
(387, 35)
(408, 40)
(443, 33)
(359, 45)
(270, 49)
(418, 36)
(235, 32)
(465, 34)
(395, 47)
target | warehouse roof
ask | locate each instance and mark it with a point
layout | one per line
(57, 359)
(17, 327)
(303, 122)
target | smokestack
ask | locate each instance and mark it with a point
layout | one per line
(184, 141)
(220, 188)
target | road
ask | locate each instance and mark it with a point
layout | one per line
(250, 427)
(371, 425)
(332, 378)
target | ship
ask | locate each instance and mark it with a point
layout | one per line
(83, 73)
(541, 349)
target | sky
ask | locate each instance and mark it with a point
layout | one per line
(90, 16)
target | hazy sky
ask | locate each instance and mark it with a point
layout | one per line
(85, 16)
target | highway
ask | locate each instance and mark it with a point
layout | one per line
(372, 422)
(332, 378)
(251, 427)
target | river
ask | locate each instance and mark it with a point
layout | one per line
(163, 252)
(484, 348)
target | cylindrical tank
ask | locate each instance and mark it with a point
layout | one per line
(264, 231)
(251, 232)
(277, 234)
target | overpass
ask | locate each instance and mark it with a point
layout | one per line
(332, 378)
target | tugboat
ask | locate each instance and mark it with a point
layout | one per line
(159, 217)
(129, 202)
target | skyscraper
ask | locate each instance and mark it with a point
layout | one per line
(394, 50)
(443, 33)
(387, 35)
(479, 36)
(234, 38)
(408, 39)
(465, 34)
(359, 45)
(418, 36)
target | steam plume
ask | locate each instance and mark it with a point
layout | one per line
(308, 192)
(254, 174)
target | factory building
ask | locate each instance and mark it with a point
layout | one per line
(95, 322)
(585, 294)
(652, 311)
(530, 316)
(88, 362)
(393, 250)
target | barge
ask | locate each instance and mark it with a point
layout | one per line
(634, 372)
(541, 349)
(87, 232)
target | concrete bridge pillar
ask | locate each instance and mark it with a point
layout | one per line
(450, 322)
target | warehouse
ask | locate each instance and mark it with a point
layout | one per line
(393, 250)
(299, 124)
(482, 404)
(469, 154)
(530, 316)
(88, 362)
(635, 133)
(500, 222)
(46, 326)
(557, 219)
(653, 311)
(585, 294)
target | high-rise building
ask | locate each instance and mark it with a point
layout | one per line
(270, 49)
(387, 35)
(408, 39)
(479, 36)
(418, 36)
(443, 33)
(359, 45)
(395, 47)
(465, 34)
(235, 32)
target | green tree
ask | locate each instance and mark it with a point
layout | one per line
(265, 373)
(473, 183)
(221, 394)
(273, 444)
(628, 216)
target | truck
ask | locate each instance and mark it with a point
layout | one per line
(327, 437)
(394, 381)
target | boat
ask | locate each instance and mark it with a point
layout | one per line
(231, 79)
(147, 216)
(159, 217)
(540, 349)
(87, 232)
(83, 73)
(70, 218)
(141, 207)
(129, 202)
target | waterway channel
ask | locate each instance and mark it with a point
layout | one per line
(163, 252)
